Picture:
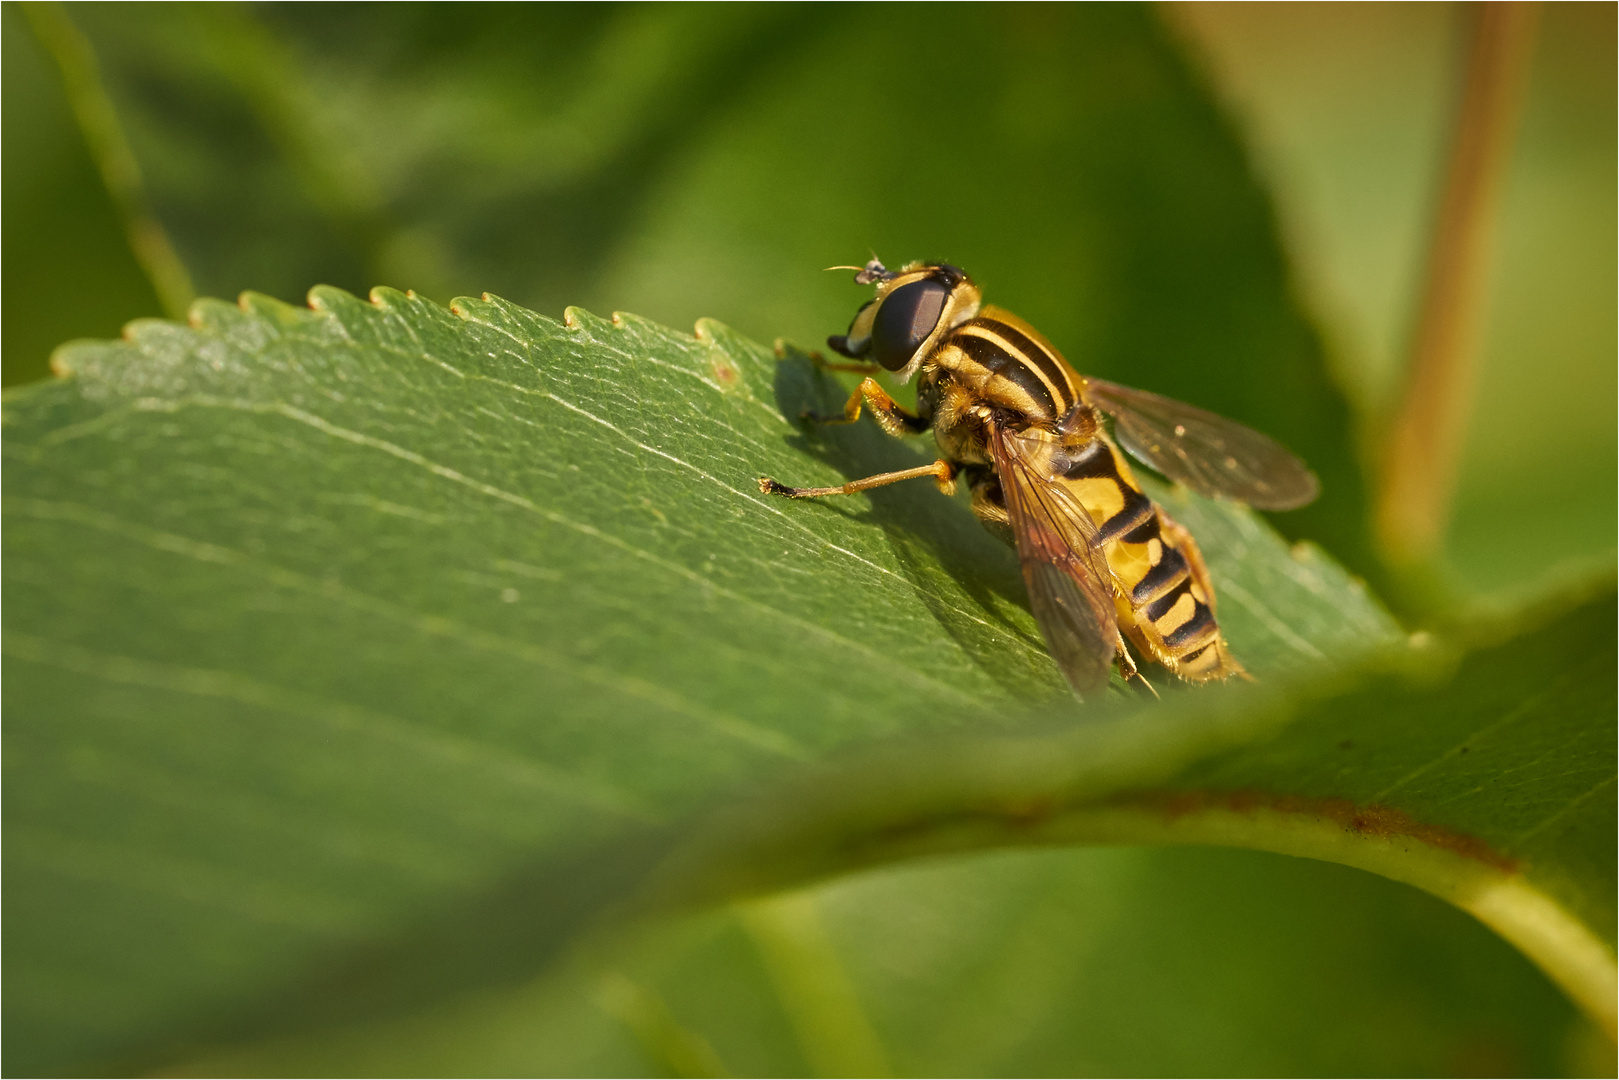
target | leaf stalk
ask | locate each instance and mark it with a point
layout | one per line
(1423, 452)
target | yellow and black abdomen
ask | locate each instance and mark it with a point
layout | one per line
(1162, 593)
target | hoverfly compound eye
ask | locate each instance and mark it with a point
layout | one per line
(906, 318)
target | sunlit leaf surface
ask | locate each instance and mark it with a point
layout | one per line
(439, 634)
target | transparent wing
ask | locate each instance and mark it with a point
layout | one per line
(1208, 453)
(1069, 583)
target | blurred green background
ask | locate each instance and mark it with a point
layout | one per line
(681, 161)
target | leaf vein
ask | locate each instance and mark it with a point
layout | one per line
(411, 456)
(438, 626)
(232, 686)
(1271, 621)
(1511, 715)
(1566, 809)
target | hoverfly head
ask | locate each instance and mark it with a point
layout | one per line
(913, 309)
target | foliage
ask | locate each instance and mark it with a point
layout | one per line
(375, 671)
(379, 610)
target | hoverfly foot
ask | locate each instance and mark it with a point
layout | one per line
(810, 416)
(768, 486)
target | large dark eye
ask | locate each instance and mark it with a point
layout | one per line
(905, 320)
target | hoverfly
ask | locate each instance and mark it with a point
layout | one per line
(1102, 561)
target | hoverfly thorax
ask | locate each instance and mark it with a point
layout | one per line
(914, 308)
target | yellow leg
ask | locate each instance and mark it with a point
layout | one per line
(1127, 665)
(943, 473)
(894, 420)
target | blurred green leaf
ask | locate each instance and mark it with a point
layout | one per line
(1072, 961)
(245, 808)
(1347, 112)
(67, 268)
(360, 658)
(686, 160)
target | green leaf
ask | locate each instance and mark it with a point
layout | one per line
(362, 657)
(1025, 962)
(1538, 868)
(66, 260)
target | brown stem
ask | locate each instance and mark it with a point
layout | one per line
(1424, 447)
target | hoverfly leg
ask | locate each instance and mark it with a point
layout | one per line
(943, 473)
(1128, 669)
(1143, 680)
(894, 419)
(989, 506)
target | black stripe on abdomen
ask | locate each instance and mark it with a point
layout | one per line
(1191, 657)
(1137, 509)
(1160, 607)
(1198, 624)
(1096, 462)
(1147, 530)
(1010, 367)
(1170, 569)
(1201, 622)
(1093, 462)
